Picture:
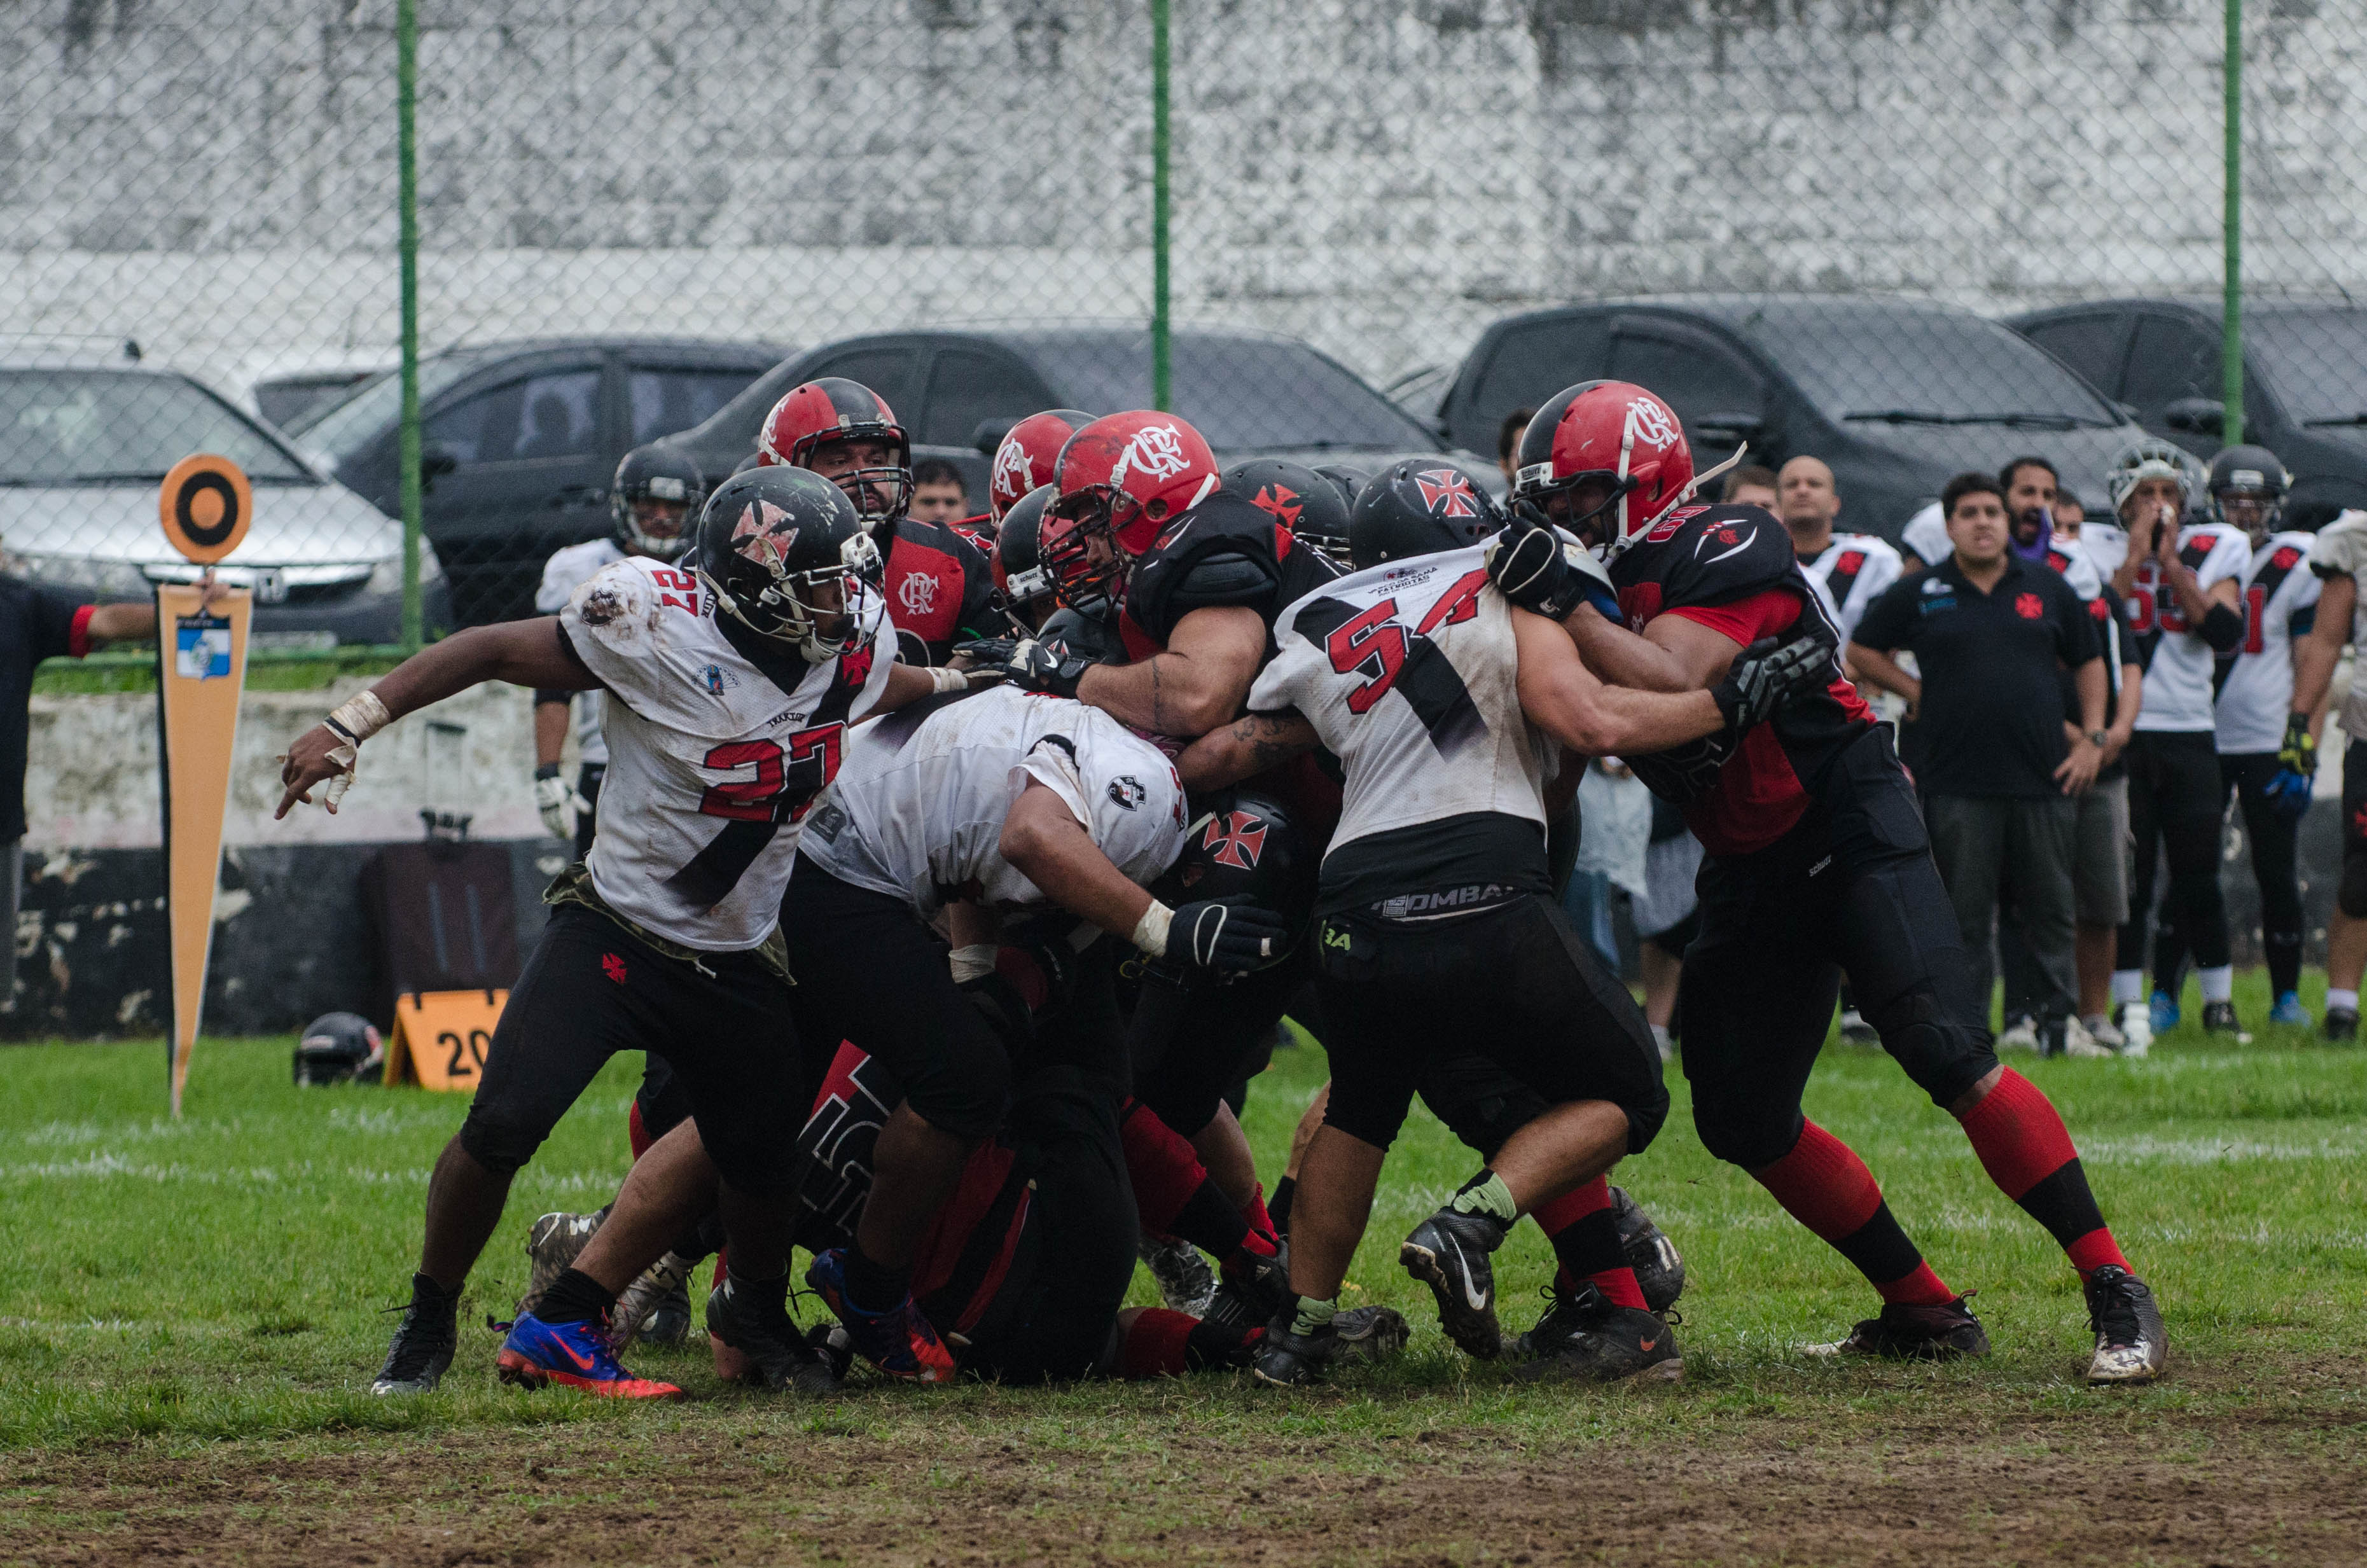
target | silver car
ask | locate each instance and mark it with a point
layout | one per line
(85, 441)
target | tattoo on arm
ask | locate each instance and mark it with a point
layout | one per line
(1268, 738)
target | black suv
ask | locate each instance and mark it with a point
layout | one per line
(1896, 395)
(518, 441)
(2305, 383)
(958, 390)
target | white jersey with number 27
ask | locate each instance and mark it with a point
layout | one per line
(712, 766)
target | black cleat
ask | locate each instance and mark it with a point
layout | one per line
(1368, 1333)
(1658, 1268)
(2341, 1025)
(421, 1352)
(1448, 1252)
(766, 1346)
(1253, 1293)
(2130, 1343)
(1186, 1283)
(1914, 1333)
(2219, 1017)
(1589, 1338)
(1293, 1360)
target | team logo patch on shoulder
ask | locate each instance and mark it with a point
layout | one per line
(1126, 791)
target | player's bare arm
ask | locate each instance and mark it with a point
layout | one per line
(1247, 746)
(1562, 697)
(1044, 840)
(521, 653)
(1875, 667)
(1197, 683)
(1673, 654)
(2315, 656)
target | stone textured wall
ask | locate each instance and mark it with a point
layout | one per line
(217, 176)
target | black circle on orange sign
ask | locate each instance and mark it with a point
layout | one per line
(205, 505)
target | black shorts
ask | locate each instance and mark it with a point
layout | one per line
(1193, 1038)
(1853, 887)
(868, 971)
(1514, 984)
(588, 779)
(592, 989)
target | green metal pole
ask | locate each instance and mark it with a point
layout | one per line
(2231, 327)
(1161, 382)
(406, 103)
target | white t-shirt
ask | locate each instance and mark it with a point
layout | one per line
(2178, 685)
(1926, 534)
(2256, 682)
(918, 806)
(2106, 546)
(566, 571)
(1408, 673)
(712, 766)
(1851, 574)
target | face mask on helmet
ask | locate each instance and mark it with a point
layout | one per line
(1607, 460)
(1019, 570)
(654, 500)
(845, 432)
(786, 557)
(1086, 570)
(1130, 475)
(2247, 489)
(2151, 459)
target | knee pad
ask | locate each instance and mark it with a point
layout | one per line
(499, 1145)
(1944, 1055)
(1742, 1133)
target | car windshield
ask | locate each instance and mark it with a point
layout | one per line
(1919, 366)
(98, 427)
(346, 426)
(2317, 358)
(1237, 391)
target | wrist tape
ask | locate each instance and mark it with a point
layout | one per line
(1150, 931)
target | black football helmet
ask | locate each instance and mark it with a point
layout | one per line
(1299, 498)
(785, 555)
(2255, 480)
(1019, 569)
(664, 477)
(1244, 844)
(340, 1048)
(1417, 508)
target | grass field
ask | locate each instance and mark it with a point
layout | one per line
(189, 1312)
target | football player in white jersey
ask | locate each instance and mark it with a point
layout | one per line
(2337, 559)
(1437, 929)
(652, 502)
(2184, 586)
(2256, 692)
(733, 679)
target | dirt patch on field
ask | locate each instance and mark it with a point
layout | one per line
(2040, 1487)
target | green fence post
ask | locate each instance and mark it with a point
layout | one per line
(2231, 324)
(406, 97)
(1162, 388)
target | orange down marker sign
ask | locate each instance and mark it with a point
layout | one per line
(441, 1038)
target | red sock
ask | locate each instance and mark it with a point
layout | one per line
(638, 1132)
(1823, 1184)
(2024, 1145)
(1260, 1223)
(1154, 1344)
(1585, 1241)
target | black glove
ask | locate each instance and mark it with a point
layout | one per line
(1770, 673)
(1537, 567)
(2299, 754)
(1227, 937)
(1028, 665)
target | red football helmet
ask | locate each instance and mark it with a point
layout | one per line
(835, 409)
(1611, 436)
(1129, 475)
(1028, 455)
(1082, 579)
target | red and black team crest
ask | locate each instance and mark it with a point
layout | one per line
(1447, 492)
(1280, 500)
(1235, 838)
(2029, 606)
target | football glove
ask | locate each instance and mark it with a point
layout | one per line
(1768, 673)
(2299, 754)
(2288, 792)
(1028, 665)
(555, 801)
(1542, 569)
(1224, 935)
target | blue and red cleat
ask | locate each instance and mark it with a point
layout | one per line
(572, 1355)
(899, 1342)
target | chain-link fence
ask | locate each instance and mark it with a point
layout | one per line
(629, 215)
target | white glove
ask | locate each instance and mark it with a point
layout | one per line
(558, 804)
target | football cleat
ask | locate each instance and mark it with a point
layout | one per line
(1914, 1333)
(1253, 1290)
(754, 1341)
(2130, 1343)
(1293, 1360)
(1368, 1333)
(1658, 1268)
(2162, 1013)
(1589, 1338)
(2341, 1025)
(2021, 1035)
(2219, 1017)
(421, 1351)
(1448, 1252)
(2100, 1030)
(1857, 1031)
(1186, 1283)
(655, 1307)
(572, 1355)
(2137, 1029)
(2079, 1041)
(901, 1341)
(2289, 1011)
(554, 1242)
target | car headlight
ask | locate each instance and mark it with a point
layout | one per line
(105, 579)
(385, 577)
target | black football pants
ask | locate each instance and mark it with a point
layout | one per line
(1851, 887)
(2176, 804)
(2275, 839)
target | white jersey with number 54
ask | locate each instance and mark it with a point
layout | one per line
(712, 766)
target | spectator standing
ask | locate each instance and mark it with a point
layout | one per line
(1989, 632)
(938, 493)
(1751, 486)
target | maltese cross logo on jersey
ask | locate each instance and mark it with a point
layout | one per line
(1237, 839)
(1447, 492)
(1280, 500)
(2029, 606)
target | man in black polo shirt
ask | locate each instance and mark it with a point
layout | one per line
(1991, 634)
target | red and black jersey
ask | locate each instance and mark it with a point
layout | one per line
(1732, 569)
(940, 590)
(1225, 551)
(979, 530)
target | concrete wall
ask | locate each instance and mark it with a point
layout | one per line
(1382, 175)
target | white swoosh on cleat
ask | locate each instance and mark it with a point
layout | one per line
(1478, 1300)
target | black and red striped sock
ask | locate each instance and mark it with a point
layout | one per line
(2027, 1151)
(1585, 1238)
(1172, 1193)
(1823, 1184)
